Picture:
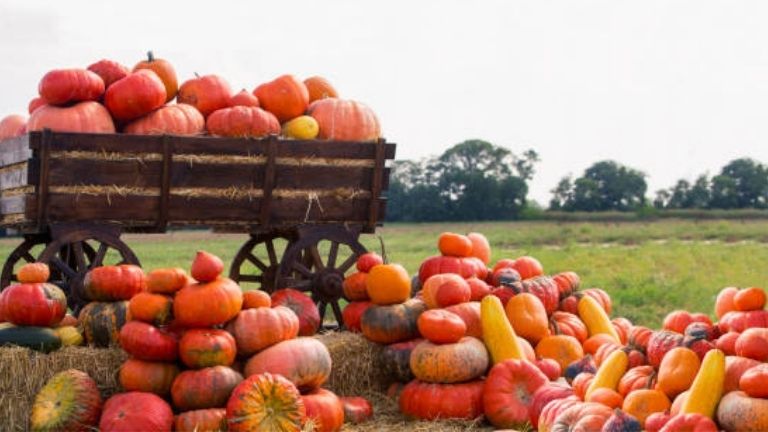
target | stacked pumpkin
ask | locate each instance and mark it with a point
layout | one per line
(356, 292)
(108, 290)
(33, 312)
(107, 97)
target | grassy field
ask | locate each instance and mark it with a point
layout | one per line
(648, 268)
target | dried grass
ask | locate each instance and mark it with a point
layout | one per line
(23, 373)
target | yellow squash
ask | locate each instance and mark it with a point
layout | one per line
(707, 387)
(595, 318)
(498, 334)
(610, 372)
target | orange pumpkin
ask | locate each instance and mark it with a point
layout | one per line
(206, 267)
(255, 299)
(753, 343)
(145, 376)
(749, 299)
(243, 98)
(753, 381)
(164, 70)
(440, 326)
(527, 315)
(33, 273)
(469, 312)
(112, 283)
(151, 308)
(638, 377)
(265, 402)
(739, 412)
(481, 249)
(256, 329)
(449, 363)
(178, 119)
(166, 280)
(84, 117)
(388, 284)
(724, 301)
(319, 88)
(443, 290)
(200, 348)
(677, 370)
(606, 396)
(354, 286)
(642, 403)
(345, 120)
(286, 97)
(561, 348)
(324, 409)
(207, 304)
(305, 361)
(12, 126)
(212, 419)
(429, 401)
(242, 122)
(581, 383)
(566, 323)
(735, 367)
(452, 244)
(394, 323)
(207, 93)
(204, 388)
(528, 267)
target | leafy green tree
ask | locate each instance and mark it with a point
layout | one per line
(606, 185)
(750, 183)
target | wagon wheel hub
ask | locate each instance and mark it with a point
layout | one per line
(329, 285)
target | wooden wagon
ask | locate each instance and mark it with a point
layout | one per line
(304, 203)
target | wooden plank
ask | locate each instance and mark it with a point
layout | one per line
(15, 150)
(42, 186)
(14, 176)
(74, 207)
(13, 205)
(268, 184)
(165, 184)
(121, 143)
(378, 173)
(67, 172)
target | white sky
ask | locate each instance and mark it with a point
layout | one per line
(672, 88)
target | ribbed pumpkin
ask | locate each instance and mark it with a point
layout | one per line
(114, 283)
(552, 410)
(166, 280)
(12, 126)
(636, 378)
(305, 361)
(242, 122)
(101, 322)
(136, 411)
(449, 363)
(259, 328)
(147, 342)
(110, 71)
(391, 324)
(84, 117)
(62, 86)
(243, 98)
(660, 343)
(204, 388)
(207, 93)
(151, 377)
(508, 392)
(429, 401)
(752, 343)
(344, 120)
(265, 403)
(69, 401)
(586, 416)
(151, 308)
(543, 287)
(324, 409)
(34, 304)
(545, 394)
(205, 420)
(255, 299)
(396, 360)
(207, 304)
(179, 119)
(303, 306)
(138, 94)
(566, 323)
(164, 70)
(319, 88)
(286, 97)
(200, 348)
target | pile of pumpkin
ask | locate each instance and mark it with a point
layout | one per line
(33, 312)
(522, 348)
(107, 97)
(199, 347)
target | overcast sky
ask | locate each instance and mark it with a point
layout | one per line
(672, 88)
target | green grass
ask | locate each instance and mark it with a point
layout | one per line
(649, 268)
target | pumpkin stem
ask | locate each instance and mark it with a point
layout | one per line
(197, 75)
(383, 250)
(150, 56)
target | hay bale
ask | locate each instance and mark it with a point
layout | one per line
(23, 373)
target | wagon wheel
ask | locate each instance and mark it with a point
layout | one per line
(258, 260)
(317, 262)
(72, 254)
(23, 254)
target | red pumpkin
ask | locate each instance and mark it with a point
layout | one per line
(207, 93)
(542, 287)
(656, 421)
(34, 104)
(286, 97)
(354, 287)
(113, 283)
(430, 401)
(62, 86)
(660, 343)
(391, 324)
(727, 343)
(550, 367)
(136, 411)
(207, 304)
(545, 394)
(84, 117)
(206, 267)
(356, 409)
(585, 416)
(265, 402)
(242, 121)
(305, 361)
(464, 267)
(469, 312)
(565, 323)
(319, 88)
(144, 376)
(367, 261)
(353, 313)
(724, 301)
(345, 120)
(567, 283)
(33, 304)
(109, 71)
(139, 93)
(738, 321)
(256, 299)
(324, 409)
(753, 381)
(637, 378)
(147, 342)
(164, 70)
(200, 348)
(69, 401)
(151, 308)
(735, 367)
(753, 343)
(166, 280)
(303, 306)
(508, 392)
(179, 119)
(441, 326)
(243, 98)
(689, 422)
(528, 267)
(204, 388)
(257, 329)
(12, 126)
(443, 290)
(212, 419)
(478, 289)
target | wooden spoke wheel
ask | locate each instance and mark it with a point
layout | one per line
(317, 263)
(256, 264)
(72, 253)
(23, 254)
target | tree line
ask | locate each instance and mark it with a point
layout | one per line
(476, 180)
